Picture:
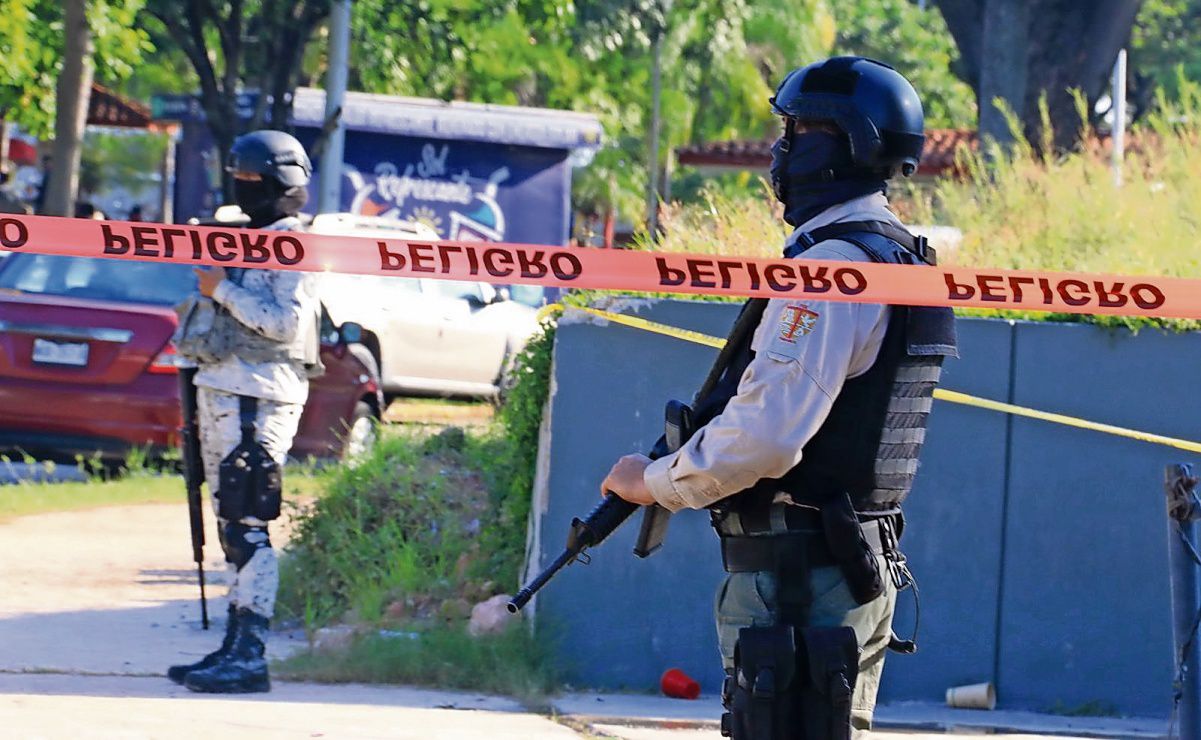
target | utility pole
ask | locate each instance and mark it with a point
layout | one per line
(329, 195)
(1118, 130)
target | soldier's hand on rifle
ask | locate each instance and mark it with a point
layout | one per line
(625, 480)
(208, 278)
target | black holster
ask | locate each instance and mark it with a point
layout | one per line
(251, 482)
(791, 684)
(855, 556)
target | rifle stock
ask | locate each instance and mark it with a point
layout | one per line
(193, 474)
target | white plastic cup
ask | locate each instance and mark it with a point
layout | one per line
(973, 696)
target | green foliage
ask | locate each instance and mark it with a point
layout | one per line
(720, 58)
(724, 223)
(1165, 45)
(513, 663)
(389, 527)
(25, 499)
(918, 44)
(31, 48)
(409, 537)
(122, 160)
(1022, 210)
(520, 421)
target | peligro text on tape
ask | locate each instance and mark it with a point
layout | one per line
(656, 272)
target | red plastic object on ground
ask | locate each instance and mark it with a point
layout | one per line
(679, 685)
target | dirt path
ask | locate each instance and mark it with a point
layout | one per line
(109, 591)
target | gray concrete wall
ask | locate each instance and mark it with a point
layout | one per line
(1040, 550)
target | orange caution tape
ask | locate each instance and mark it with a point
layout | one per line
(608, 269)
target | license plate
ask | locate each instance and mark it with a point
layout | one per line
(48, 352)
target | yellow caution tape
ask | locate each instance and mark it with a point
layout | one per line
(939, 393)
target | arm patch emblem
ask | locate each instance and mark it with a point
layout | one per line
(796, 321)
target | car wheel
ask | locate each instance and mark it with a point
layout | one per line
(361, 434)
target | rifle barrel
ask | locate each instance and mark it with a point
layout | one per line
(524, 595)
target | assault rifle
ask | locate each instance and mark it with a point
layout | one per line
(193, 475)
(612, 511)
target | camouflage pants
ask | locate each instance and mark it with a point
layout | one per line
(749, 600)
(254, 584)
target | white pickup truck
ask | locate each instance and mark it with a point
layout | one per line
(429, 337)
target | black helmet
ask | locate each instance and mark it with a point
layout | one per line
(271, 154)
(869, 101)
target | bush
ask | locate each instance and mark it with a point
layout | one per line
(410, 537)
(397, 526)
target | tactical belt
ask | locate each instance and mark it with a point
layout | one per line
(767, 552)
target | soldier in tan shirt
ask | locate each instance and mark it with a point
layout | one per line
(804, 464)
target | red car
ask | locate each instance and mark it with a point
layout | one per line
(86, 364)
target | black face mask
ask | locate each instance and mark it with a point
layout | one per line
(266, 201)
(795, 170)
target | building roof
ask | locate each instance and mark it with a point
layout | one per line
(423, 117)
(938, 156)
(107, 108)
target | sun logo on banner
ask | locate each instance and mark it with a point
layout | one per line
(797, 319)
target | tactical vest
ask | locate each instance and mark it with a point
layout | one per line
(869, 444)
(208, 333)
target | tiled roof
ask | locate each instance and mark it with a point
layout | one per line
(938, 156)
(107, 108)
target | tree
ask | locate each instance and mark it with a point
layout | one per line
(240, 45)
(34, 73)
(916, 42)
(31, 53)
(721, 59)
(71, 109)
(1023, 50)
(1165, 48)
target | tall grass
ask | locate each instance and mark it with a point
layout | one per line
(1025, 208)
(1029, 210)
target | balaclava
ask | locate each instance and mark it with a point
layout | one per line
(796, 175)
(267, 201)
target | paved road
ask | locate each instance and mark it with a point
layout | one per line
(96, 604)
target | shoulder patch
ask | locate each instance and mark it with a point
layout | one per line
(796, 321)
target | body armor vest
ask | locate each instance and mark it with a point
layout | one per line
(868, 446)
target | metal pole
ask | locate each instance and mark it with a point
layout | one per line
(166, 187)
(1184, 511)
(652, 164)
(329, 197)
(1119, 116)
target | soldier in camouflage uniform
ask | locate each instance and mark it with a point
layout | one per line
(255, 353)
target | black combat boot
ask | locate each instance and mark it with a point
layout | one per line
(242, 670)
(177, 672)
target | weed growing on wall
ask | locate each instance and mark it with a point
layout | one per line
(520, 419)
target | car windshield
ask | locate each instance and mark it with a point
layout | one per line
(103, 279)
